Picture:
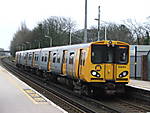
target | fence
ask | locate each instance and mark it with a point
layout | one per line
(139, 63)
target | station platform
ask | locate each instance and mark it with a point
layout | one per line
(17, 97)
(140, 84)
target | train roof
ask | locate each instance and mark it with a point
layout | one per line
(82, 45)
(29, 50)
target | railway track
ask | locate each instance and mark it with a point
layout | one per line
(74, 103)
(50, 93)
(138, 93)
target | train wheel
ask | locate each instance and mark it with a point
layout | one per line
(86, 90)
(77, 87)
(82, 89)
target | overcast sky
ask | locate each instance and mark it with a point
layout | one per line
(13, 12)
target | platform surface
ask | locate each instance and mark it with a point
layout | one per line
(18, 97)
(140, 84)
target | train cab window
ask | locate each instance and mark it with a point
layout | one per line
(54, 57)
(109, 54)
(71, 58)
(98, 54)
(122, 54)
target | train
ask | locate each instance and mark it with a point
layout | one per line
(86, 68)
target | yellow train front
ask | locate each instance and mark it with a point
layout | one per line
(106, 66)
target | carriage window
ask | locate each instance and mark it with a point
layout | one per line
(71, 58)
(30, 56)
(45, 58)
(64, 57)
(36, 58)
(83, 58)
(54, 57)
(58, 58)
(24, 57)
(42, 58)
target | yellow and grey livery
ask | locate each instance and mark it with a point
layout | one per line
(101, 64)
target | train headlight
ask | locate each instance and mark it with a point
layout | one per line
(95, 73)
(123, 74)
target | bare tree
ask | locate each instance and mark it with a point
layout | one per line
(138, 30)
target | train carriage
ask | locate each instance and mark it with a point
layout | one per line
(36, 59)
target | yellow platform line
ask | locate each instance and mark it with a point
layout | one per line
(35, 96)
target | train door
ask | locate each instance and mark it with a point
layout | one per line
(26, 58)
(64, 61)
(19, 58)
(109, 71)
(33, 60)
(70, 68)
(81, 62)
(109, 66)
(49, 62)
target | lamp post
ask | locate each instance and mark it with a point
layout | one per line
(85, 24)
(98, 31)
(50, 40)
(105, 33)
(105, 29)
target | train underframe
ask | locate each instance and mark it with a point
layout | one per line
(98, 88)
(93, 88)
(79, 86)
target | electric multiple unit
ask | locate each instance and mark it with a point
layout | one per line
(85, 67)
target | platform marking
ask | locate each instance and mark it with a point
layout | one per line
(18, 87)
(14, 82)
(11, 79)
(35, 96)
